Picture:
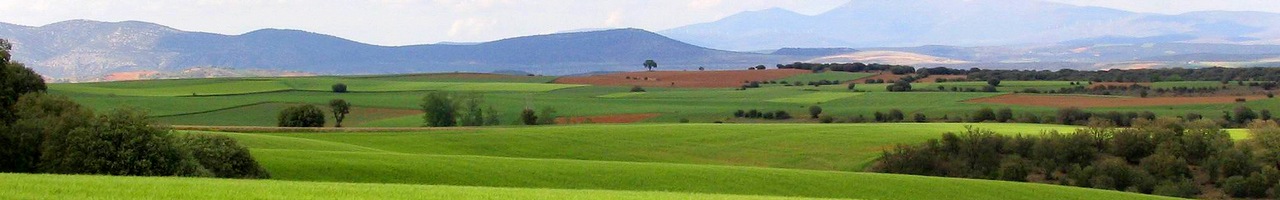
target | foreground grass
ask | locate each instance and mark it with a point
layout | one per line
(41, 186)
(843, 147)
(578, 174)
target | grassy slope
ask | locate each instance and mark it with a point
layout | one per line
(25, 186)
(802, 146)
(463, 159)
(577, 174)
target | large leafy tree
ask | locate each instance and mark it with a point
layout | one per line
(15, 80)
(440, 110)
(301, 116)
(650, 64)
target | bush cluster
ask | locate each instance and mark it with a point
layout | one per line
(1158, 156)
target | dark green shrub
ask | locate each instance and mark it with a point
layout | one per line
(222, 156)
(826, 119)
(38, 116)
(637, 89)
(528, 117)
(814, 111)
(306, 115)
(340, 88)
(122, 142)
(1183, 188)
(439, 109)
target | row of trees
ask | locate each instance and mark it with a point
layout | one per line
(1135, 75)
(757, 114)
(443, 109)
(1162, 156)
(308, 115)
(43, 133)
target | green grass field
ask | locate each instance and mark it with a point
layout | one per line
(20, 186)
(793, 160)
(652, 160)
(512, 93)
(828, 76)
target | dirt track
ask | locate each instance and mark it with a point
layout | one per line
(684, 79)
(1063, 101)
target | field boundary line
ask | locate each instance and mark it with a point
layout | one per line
(214, 110)
(269, 129)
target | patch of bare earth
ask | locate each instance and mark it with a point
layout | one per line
(1063, 101)
(684, 79)
(607, 119)
(129, 76)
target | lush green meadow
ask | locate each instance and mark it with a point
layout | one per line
(19, 186)
(654, 159)
(794, 160)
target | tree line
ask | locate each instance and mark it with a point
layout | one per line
(1162, 156)
(46, 133)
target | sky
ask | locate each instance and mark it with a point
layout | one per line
(406, 22)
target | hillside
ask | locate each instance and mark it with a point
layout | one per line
(880, 23)
(91, 50)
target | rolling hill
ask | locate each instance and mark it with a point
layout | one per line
(888, 23)
(89, 50)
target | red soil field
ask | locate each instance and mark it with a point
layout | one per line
(1063, 101)
(684, 79)
(607, 119)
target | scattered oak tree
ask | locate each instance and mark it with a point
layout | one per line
(340, 109)
(305, 115)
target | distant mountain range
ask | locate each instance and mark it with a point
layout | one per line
(898, 23)
(86, 50)
(1008, 34)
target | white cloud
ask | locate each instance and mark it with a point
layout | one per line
(470, 26)
(614, 20)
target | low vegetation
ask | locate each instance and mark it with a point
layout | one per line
(1162, 156)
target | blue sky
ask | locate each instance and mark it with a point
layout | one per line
(403, 22)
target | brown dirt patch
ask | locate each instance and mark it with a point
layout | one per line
(129, 76)
(934, 78)
(1063, 101)
(607, 119)
(684, 79)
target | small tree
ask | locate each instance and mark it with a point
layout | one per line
(340, 88)
(994, 82)
(547, 116)
(636, 88)
(491, 117)
(305, 115)
(528, 117)
(814, 111)
(650, 64)
(919, 117)
(852, 86)
(439, 110)
(1004, 115)
(340, 108)
(473, 114)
